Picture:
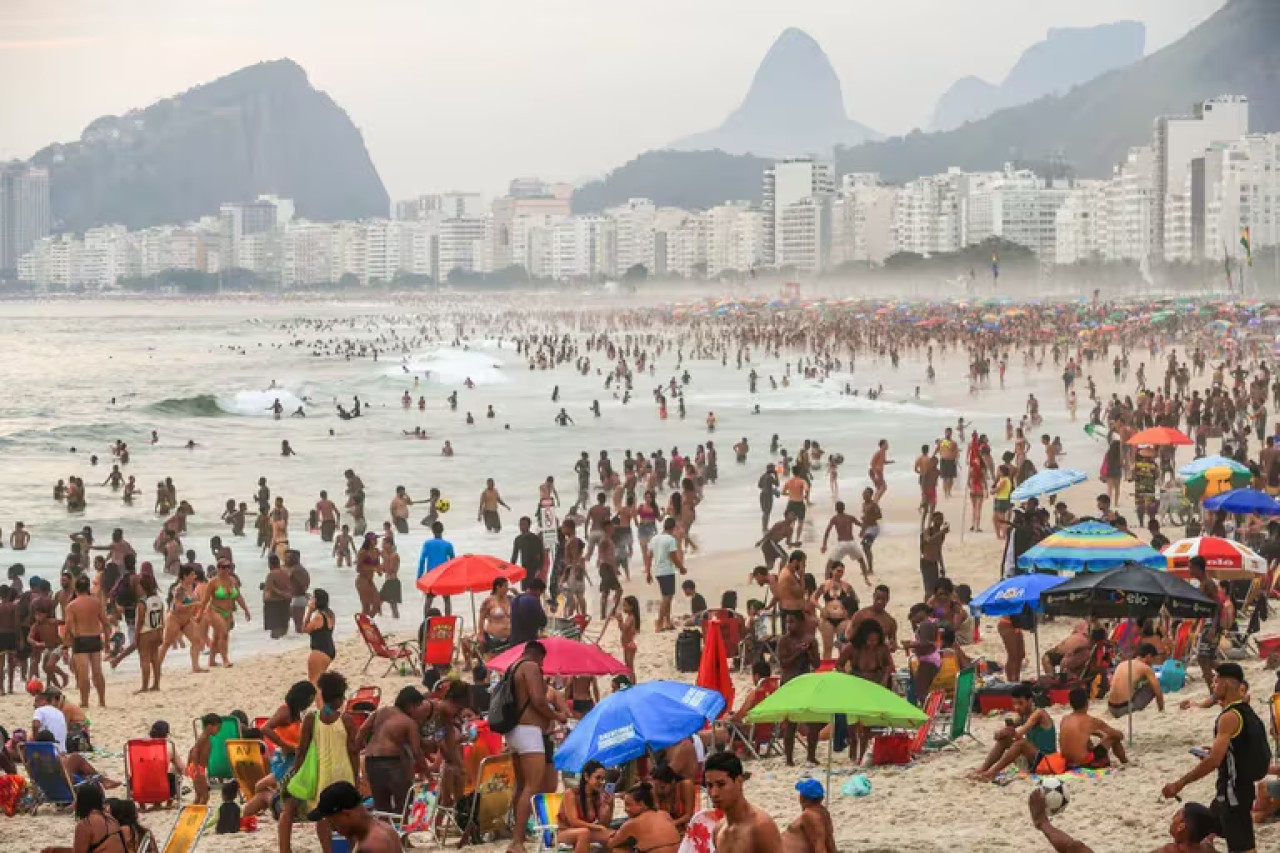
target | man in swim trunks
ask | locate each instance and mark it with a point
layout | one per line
(400, 510)
(773, 543)
(1029, 733)
(745, 829)
(1083, 741)
(791, 595)
(86, 624)
(392, 750)
(328, 513)
(490, 500)
(797, 491)
(1135, 684)
(948, 452)
(877, 610)
(846, 542)
(529, 739)
(879, 459)
(812, 831)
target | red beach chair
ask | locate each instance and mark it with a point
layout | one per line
(146, 772)
(401, 653)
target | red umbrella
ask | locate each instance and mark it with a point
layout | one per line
(468, 573)
(1160, 436)
(713, 670)
(565, 657)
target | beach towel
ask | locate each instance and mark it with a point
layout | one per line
(700, 837)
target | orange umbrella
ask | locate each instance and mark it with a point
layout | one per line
(1160, 436)
(713, 670)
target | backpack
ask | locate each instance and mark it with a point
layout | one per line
(504, 712)
(1253, 763)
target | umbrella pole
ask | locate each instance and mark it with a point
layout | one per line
(474, 625)
(1036, 634)
(1130, 714)
(831, 747)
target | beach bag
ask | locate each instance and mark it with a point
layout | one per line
(504, 713)
(305, 781)
(892, 748)
(856, 786)
(1253, 764)
(1173, 676)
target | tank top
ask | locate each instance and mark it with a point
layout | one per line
(333, 764)
(153, 617)
(1045, 740)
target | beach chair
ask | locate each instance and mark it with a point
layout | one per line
(932, 707)
(396, 654)
(48, 775)
(485, 812)
(439, 642)
(363, 704)
(185, 834)
(148, 775)
(759, 739)
(945, 680)
(419, 810)
(248, 759)
(258, 723)
(961, 711)
(1275, 715)
(730, 632)
(546, 811)
(219, 762)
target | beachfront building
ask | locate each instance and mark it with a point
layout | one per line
(437, 206)
(1236, 185)
(534, 201)
(240, 220)
(787, 182)
(862, 220)
(25, 214)
(634, 225)
(582, 247)
(1082, 224)
(681, 244)
(928, 216)
(305, 253)
(734, 238)
(1130, 206)
(1024, 210)
(1177, 141)
(803, 238)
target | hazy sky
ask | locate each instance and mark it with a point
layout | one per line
(467, 95)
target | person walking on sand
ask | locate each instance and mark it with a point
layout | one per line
(662, 560)
(879, 459)
(86, 620)
(530, 740)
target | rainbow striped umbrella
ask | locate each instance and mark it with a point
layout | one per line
(1089, 546)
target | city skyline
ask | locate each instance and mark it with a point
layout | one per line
(579, 104)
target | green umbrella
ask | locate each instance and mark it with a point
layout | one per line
(819, 696)
(1197, 486)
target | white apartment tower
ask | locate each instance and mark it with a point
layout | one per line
(787, 182)
(24, 211)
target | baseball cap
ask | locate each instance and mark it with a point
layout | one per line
(338, 797)
(810, 789)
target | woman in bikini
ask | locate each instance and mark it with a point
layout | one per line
(493, 624)
(646, 829)
(318, 624)
(866, 656)
(219, 599)
(368, 563)
(688, 511)
(628, 617)
(647, 515)
(96, 830)
(184, 619)
(838, 602)
(585, 812)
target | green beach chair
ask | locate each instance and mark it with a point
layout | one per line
(219, 759)
(961, 711)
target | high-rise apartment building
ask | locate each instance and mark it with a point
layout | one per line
(24, 211)
(787, 182)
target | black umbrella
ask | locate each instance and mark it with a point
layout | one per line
(1132, 591)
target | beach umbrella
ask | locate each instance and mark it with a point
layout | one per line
(819, 696)
(564, 657)
(713, 669)
(1225, 559)
(1215, 481)
(1243, 501)
(1089, 546)
(628, 723)
(1047, 482)
(1160, 436)
(1205, 463)
(1016, 595)
(469, 573)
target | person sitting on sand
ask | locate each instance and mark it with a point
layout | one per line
(646, 828)
(586, 811)
(675, 795)
(1029, 725)
(1083, 742)
(1192, 827)
(1135, 684)
(746, 828)
(96, 830)
(812, 831)
(1071, 656)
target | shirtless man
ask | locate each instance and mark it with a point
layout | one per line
(86, 623)
(392, 750)
(343, 806)
(812, 831)
(328, 513)
(1083, 741)
(1135, 684)
(773, 543)
(19, 538)
(1071, 655)
(1191, 828)
(846, 542)
(878, 460)
(530, 740)
(791, 594)
(877, 610)
(745, 829)
(948, 453)
(597, 516)
(400, 510)
(490, 500)
(797, 491)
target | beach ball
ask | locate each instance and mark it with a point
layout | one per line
(1055, 793)
(35, 686)
(442, 505)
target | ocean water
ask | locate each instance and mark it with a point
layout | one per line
(203, 372)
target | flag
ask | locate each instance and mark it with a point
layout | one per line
(1248, 247)
(995, 265)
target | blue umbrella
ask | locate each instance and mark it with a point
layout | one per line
(1204, 463)
(1047, 482)
(1012, 595)
(1089, 546)
(650, 715)
(1242, 501)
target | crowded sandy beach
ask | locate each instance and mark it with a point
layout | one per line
(1028, 545)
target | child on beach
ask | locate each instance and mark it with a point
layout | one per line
(46, 643)
(198, 758)
(229, 811)
(629, 623)
(343, 547)
(390, 593)
(9, 627)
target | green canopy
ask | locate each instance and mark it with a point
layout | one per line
(819, 696)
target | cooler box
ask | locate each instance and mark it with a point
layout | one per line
(1060, 695)
(1268, 646)
(892, 748)
(996, 698)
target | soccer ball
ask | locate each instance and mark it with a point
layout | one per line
(1055, 793)
(442, 505)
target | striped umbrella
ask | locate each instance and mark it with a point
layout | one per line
(1204, 463)
(1047, 482)
(1089, 546)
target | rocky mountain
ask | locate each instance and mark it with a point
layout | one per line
(794, 106)
(1093, 125)
(1067, 58)
(693, 180)
(263, 129)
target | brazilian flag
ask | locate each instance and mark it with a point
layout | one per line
(1248, 246)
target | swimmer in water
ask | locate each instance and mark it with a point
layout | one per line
(286, 450)
(447, 450)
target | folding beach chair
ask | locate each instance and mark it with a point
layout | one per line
(485, 811)
(1275, 715)
(546, 811)
(405, 652)
(258, 723)
(961, 710)
(219, 762)
(148, 772)
(932, 707)
(185, 834)
(362, 705)
(48, 774)
(248, 759)
(758, 738)
(440, 642)
(730, 632)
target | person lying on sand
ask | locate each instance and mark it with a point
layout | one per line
(1191, 828)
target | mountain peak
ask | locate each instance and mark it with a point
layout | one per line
(795, 105)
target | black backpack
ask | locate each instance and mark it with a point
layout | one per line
(504, 711)
(1254, 762)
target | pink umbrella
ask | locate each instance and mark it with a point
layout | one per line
(565, 657)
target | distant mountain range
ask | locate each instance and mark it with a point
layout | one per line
(1068, 57)
(795, 106)
(263, 129)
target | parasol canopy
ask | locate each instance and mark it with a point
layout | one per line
(1132, 591)
(1047, 482)
(1224, 559)
(564, 657)
(1089, 546)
